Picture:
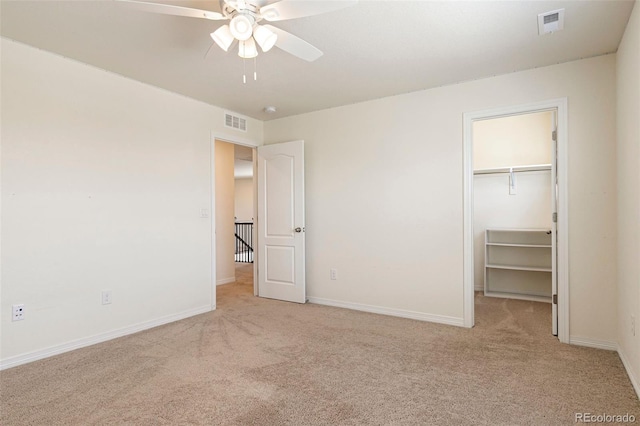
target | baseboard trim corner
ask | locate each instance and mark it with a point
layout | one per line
(627, 366)
(593, 343)
(226, 281)
(17, 360)
(420, 316)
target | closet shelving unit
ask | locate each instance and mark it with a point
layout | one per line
(518, 264)
(529, 168)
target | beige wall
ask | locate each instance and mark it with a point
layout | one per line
(628, 166)
(519, 140)
(384, 193)
(225, 195)
(103, 184)
(244, 200)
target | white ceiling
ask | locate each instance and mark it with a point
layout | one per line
(371, 50)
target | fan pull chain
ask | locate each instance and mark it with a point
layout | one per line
(244, 65)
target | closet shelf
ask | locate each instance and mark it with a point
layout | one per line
(529, 297)
(519, 268)
(515, 169)
(518, 264)
(519, 245)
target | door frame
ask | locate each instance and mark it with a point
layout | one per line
(560, 105)
(212, 182)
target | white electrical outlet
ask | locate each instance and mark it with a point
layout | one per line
(633, 325)
(106, 297)
(333, 273)
(18, 312)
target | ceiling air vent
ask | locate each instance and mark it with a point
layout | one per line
(550, 22)
(235, 122)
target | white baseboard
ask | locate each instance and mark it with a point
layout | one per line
(226, 281)
(627, 366)
(440, 319)
(593, 343)
(478, 288)
(610, 346)
(14, 361)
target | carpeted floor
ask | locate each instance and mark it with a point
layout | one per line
(264, 362)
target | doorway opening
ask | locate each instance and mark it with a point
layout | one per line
(513, 204)
(278, 212)
(234, 220)
(515, 233)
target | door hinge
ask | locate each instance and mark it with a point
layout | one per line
(554, 135)
(554, 217)
(555, 299)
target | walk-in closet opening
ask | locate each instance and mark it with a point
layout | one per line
(514, 201)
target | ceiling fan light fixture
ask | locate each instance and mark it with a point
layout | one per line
(223, 37)
(247, 49)
(265, 38)
(241, 27)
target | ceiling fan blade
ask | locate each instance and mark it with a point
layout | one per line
(168, 9)
(294, 45)
(290, 9)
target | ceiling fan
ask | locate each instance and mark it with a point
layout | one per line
(244, 17)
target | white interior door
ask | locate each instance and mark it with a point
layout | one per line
(554, 223)
(281, 242)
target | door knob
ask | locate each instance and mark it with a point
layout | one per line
(298, 229)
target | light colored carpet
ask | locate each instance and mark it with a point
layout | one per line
(264, 362)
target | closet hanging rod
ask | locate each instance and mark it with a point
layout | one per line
(532, 168)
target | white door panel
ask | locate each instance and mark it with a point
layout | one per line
(281, 262)
(278, 179)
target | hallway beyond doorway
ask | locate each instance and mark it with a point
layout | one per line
(241, 287)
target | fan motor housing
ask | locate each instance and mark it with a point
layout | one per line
(249, 10)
